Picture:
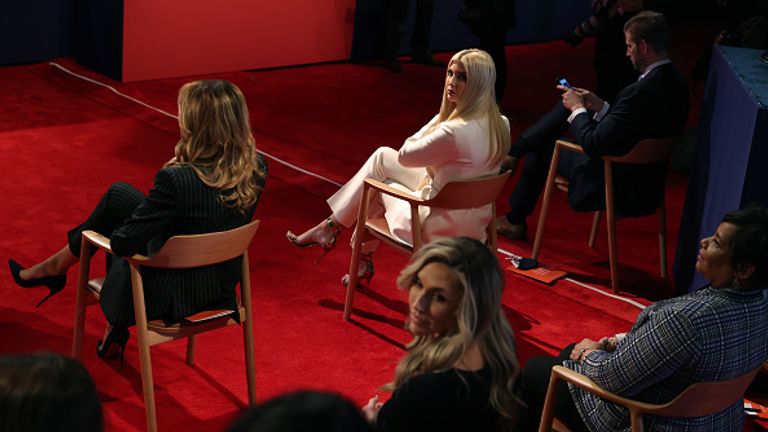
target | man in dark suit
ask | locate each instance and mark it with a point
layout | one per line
(655, 106)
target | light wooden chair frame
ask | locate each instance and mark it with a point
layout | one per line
(455, 195)
(645, 152)
(179, 252)
(696, 400)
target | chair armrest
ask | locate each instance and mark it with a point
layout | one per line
(103, 242)
(98, 240)
(570, 146)
(588, 385)
(389, 190)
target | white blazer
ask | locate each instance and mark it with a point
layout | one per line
(455, 150)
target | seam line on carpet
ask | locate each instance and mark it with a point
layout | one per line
(146, 105)
(583, 285)
(305, 171)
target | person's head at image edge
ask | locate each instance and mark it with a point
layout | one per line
(216, 140)
(469, 93)
(304, 411)
(47, 393)
(736, 255)
(454, 289)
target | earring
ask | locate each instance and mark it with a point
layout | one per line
(736, 282)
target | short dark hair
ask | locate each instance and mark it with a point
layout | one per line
(749, 244)
(305, 411)
(47, 393)
(651, 27)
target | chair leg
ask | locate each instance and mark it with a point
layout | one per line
(613, 255)
(636, 420)
(354, 263)
(545, 203)
(663, 240)
(145, 360)
(80, 301)
(595, 228)
(191, 349)
(548, 412)
(490, 230)
(147, 383)
(250, 361)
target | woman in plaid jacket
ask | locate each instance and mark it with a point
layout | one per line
(714, 334)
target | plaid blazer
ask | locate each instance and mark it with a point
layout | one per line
(710, 335)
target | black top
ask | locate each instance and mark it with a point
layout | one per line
(453, 400)
(179, 203)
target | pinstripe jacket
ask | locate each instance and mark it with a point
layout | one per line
(178, 203)
(710, 335)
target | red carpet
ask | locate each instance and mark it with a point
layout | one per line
(65, 140)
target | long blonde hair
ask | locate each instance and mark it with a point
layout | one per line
(480, 321)
(478, 100)
(216, 141)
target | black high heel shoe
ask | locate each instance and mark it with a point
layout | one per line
(53, 283)
(327, 246)
(119, 336)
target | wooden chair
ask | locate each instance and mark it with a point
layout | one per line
(455, 195)
(179, 252)
(645, 152)
(697, 400)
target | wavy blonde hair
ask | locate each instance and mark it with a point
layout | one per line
(480, 321)
(216, 141)
(478, 100)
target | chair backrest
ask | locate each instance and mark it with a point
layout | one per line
(705, 398)
(469, 193)
(648, 151)
(185, 251)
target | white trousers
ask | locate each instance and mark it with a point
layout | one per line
(382, 165)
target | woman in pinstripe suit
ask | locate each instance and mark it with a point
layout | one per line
(212, 184)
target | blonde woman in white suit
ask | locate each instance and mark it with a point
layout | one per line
(467, 139)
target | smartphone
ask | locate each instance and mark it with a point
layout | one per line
(564, 82)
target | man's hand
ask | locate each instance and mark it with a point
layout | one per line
(572, 100)
(588, 99)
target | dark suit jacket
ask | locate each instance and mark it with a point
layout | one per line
(654, 107)
(179, 203)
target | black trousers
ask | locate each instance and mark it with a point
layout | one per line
(537, 144)
(115, 206)
(397, 12)
(534, 381)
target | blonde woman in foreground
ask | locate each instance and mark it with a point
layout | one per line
(461, 366)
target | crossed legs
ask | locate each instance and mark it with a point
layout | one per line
(537, 144)
(382, 165)
(116, 205)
